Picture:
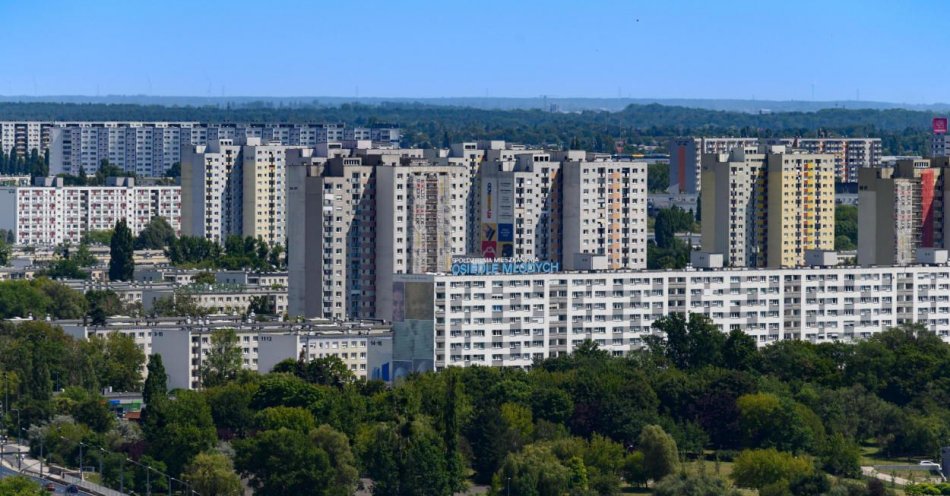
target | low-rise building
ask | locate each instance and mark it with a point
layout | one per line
(364, 346)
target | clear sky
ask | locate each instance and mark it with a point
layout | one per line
(822, 50)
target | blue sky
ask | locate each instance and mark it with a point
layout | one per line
(832, 49)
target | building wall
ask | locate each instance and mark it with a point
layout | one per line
(50, 215)
(513, 320)
(604, 212)
(767, 205)
(801, 206)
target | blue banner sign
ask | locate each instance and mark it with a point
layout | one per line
(504, 268)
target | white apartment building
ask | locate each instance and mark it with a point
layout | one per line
(49, 213)
(145, 148)
(151, 148)
(212, 184)
(23, 137)
(365, 347)
(443, 320)
(604, 211)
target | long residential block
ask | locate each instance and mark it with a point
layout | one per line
(442, 320)
(49, 213)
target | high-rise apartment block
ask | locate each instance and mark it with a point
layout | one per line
(235, 187)
(363, 216)
(420, 221)
(49, 213)
(901, 211)
(604, 211)
(766, 206)
(686, 156)
(212, 183)
(940, 145)
(360, 219)
(850, 155)
(332, 214)
(21, 138)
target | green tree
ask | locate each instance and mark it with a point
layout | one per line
(284, 417)
(406, 459)
(327, 371)
(536, 471)
(156, 235)
(64, 302)
(19, 485)
(660, 457)
(120, 361)
(739, 351)
(213, 474)
(121, 264)
(205, 278)
(83, 257)
(691, 343)
(451, 431)
(103, 304)
(681, 484)
(841, 456)
(178, 429)
(223, 361)
(769, 421)
(846, 227)
(5, 252)
(634, 469)
(174, 170)
(658, 178)
(284, 462)
(342, 459)
(98, 237)
(231, 407)
(759, 469)
(156, 383)
(663, 229)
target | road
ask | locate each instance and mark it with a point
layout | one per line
(871, 472)
(9, 460)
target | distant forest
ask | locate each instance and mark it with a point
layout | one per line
(902, 131)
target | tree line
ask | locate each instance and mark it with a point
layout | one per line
(789, 419)
(902, 131)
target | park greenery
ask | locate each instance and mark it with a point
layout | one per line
(789, 419)
(237, 253)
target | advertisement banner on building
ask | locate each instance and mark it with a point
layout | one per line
(489, 194)
(940, 125)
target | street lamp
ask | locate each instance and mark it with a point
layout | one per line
(19, 456)
(41, 449)
(148, 476)
(17, 410)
